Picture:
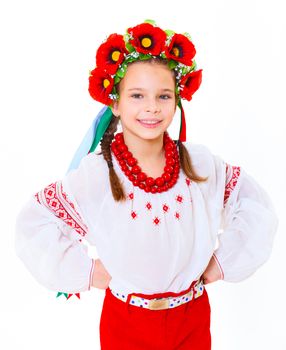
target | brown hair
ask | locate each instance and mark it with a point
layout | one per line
(116, 186)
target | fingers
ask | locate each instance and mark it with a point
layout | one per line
(203, 279)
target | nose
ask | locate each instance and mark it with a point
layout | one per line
(152, 106)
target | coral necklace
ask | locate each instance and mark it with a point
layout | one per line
(132, 170)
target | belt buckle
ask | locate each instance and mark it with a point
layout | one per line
(159, 304)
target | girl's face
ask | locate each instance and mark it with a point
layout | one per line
(146, 93)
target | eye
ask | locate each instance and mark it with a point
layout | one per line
(167, 97)
(136, 95)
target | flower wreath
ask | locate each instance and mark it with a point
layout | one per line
(143, 42)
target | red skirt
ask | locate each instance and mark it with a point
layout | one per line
(125, 326)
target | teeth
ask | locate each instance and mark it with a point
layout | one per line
(149, 121)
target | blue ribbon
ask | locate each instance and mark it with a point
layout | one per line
(92, 137)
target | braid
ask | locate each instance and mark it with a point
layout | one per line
(116, 186)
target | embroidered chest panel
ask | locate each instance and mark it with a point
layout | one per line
(171, 207)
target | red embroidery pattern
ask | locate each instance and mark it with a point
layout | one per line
(232, 174)
(165, 208)
(37, 197)
(58, 203)
(177, 215)
(149, 206)
(156, 221)
(179, 198)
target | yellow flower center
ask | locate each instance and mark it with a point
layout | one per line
(115, 55)
(106, 82)
(146, 42)
(176, 51)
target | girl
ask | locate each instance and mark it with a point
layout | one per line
(152, 206)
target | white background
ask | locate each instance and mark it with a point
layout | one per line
(47, 50)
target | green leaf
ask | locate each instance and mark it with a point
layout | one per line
(130, 59)
(143, 56)
(172, 64)
(177, 89)
(185, 70)
(151, 21)
(129, 47)
(120, 73)
(124, 66)
(194, 65)
(169, 32)
(126, 37)
(187, 35)
(116, 80)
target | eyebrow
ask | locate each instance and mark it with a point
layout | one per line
(140, 89)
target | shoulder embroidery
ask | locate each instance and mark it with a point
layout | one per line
(56, 200)
(232, 174)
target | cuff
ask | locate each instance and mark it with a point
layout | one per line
(91, 274)
(219, 266)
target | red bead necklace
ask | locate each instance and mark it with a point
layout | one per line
(132, 170)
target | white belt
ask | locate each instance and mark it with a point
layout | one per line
(163, 303)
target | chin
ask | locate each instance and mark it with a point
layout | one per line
(147, 135)
(150, 133)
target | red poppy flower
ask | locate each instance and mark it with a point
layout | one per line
(181, 49)
(111, 53)
(100, 85)
(147, 38)
(190, 83)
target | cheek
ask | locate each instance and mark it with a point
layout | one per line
(169, 108)
(130, 110)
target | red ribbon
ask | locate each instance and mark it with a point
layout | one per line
(183, 128)
(77, 294)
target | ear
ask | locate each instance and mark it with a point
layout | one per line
(114, 108)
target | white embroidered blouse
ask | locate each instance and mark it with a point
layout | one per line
(152, 243)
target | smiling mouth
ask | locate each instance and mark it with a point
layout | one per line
(149, 123)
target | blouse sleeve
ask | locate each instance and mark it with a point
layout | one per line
(249, 224)
(49, 236)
